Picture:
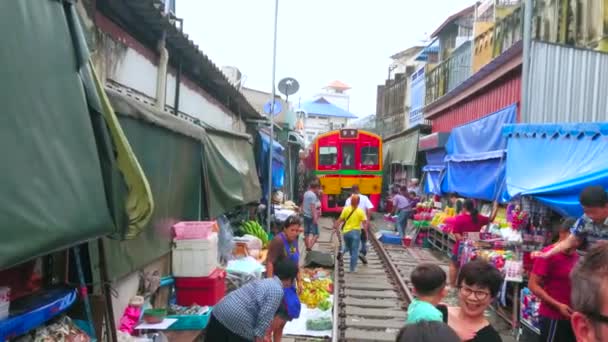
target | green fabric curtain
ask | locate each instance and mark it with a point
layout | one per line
(53, 193)
(172, 163)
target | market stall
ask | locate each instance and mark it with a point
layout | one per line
(522, 227)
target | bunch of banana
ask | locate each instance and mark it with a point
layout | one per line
(255, 229)
(315, 292)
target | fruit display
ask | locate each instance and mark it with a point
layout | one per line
(316, 291)
(255, 229)
(317, 286)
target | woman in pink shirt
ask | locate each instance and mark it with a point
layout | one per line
(468, 221)
(550, 281)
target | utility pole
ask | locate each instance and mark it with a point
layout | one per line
(271, 115)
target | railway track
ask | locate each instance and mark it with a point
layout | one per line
(370, 304)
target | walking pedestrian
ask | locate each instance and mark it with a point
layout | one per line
(351, 219)
(366, 205)
(311, 212)
(550, 281)
(590, 297)
(245, 314)
(591, 228)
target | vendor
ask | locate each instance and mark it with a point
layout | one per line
(246, 313)
(550, 281)
(468, 221)
(401, 208)
(284, 246)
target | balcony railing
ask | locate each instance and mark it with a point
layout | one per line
(447, 75)
(490, 44)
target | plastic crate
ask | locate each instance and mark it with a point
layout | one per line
(201, 290)
(194, 230)
(195, 258)
(190, 322)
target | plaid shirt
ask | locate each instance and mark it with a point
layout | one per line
(248, 311)
(589, 232)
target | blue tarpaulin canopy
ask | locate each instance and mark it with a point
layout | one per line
(433, 170)
(554, 162)
(278, 164)
(475, 161)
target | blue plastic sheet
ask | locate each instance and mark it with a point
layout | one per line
(482, 138)
(435, 158)
(30, 313)
(553, 163)
(278, 164)
(482, 179)
(432, 182)
(475, 161)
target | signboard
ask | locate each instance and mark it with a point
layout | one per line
(418, 93)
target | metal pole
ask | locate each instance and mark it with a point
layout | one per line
(271, 115)
(527, 41)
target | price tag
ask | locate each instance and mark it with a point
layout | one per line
(514, 271)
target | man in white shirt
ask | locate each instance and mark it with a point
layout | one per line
(366, 205)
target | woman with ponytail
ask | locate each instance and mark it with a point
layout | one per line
(468, 221)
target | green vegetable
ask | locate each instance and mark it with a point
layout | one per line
(319, 324)
(325, 305)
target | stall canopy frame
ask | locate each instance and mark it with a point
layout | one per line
(554, 162)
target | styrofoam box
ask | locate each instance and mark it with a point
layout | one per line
(195, 258)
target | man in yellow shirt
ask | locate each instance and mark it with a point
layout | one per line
(350, 222)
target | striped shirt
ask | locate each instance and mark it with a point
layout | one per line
(249, 310)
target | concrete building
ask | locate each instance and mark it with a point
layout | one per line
(393, 97)
(335, 93)
(320, 116)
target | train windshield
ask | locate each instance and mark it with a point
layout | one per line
(328, 155)
(369, 155)
(348, 156)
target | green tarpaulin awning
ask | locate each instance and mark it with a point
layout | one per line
(401, 149)
(53, 193)
(231, 172)
(194, 171)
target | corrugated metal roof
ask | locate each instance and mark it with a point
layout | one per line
(322, 107)
(566, 84)
(145, 20)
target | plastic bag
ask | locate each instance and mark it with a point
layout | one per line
(225, 240)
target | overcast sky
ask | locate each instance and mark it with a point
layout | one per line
(318, 40)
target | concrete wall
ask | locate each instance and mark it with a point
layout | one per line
(126, 63)
(314, 126)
